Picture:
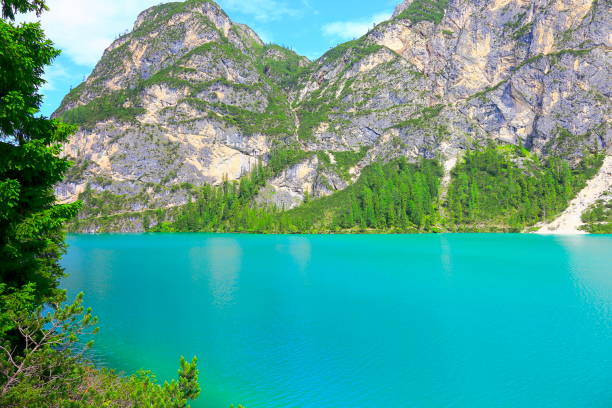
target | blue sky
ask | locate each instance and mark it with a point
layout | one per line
(84, 28)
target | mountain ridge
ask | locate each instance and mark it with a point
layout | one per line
(436, 79)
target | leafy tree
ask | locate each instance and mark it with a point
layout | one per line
(505, 187)
(393, 196)
(47, 364)
(50, 370)
(10, 7)
(31, 238)
(42, 341)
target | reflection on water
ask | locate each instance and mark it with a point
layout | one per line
(300, 250)
(223, 257)
(590, 270)
(464, 321)
(445, 256)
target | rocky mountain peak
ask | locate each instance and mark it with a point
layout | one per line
(162, 34)
(401, 7)
(202, 7)
(190, 97)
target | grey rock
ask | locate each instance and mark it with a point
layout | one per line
(209, 104)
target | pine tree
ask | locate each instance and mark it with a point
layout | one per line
(31, 236)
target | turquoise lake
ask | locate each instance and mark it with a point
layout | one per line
(359, 321)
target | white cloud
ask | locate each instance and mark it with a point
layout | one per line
(53, 74)
(347, 30)
(262, 10)
(84, 28)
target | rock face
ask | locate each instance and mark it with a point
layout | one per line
(186, 97)
(189, 97)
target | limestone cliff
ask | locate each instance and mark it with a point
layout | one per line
(189, 97)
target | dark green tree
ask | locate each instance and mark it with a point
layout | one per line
(31, 237)
(41, 340)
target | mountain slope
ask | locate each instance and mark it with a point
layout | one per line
(597, 189)
(190, 98)
(184, 98)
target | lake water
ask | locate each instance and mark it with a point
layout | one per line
(370, 321)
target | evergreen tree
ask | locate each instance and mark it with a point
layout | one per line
(31, 238)
(41, 347)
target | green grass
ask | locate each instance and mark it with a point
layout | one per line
(358, 48)
(162, 13)
(482, 93)
(347, 159)
(420, 119)
(285, 71)
(103, 108)
(425, 10)
(274, 121)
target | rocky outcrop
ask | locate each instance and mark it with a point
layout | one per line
(182, 100)
(523, 72)
(190, 97)
(308, 179)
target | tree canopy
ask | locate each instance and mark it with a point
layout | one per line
(42, 339)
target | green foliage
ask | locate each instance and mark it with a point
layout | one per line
(103, 108)
(425, 10)
(50, 370)
(77, 171)
(349, 158)
(517, 22)
(318, 107)
(518, 27)
(284, 70)
(487, 90)
(566, 143)
(163, 13)
(598, 217)
(274, 121)
(106, 203)
(345, 160)
(598, 228)
(422, 118)
(313, 113)
(355, 50)
(10, 7)
(522, 31)
(225, 208)
(47, 364)
(229, 207)
(42, 341)
(506, 188)
(284, 157)
(395, 196)
(30, 222)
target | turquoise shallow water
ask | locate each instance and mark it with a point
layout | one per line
(425, 321)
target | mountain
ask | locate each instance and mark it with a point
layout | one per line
(190, 98)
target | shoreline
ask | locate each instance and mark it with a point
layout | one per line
(531, 233)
